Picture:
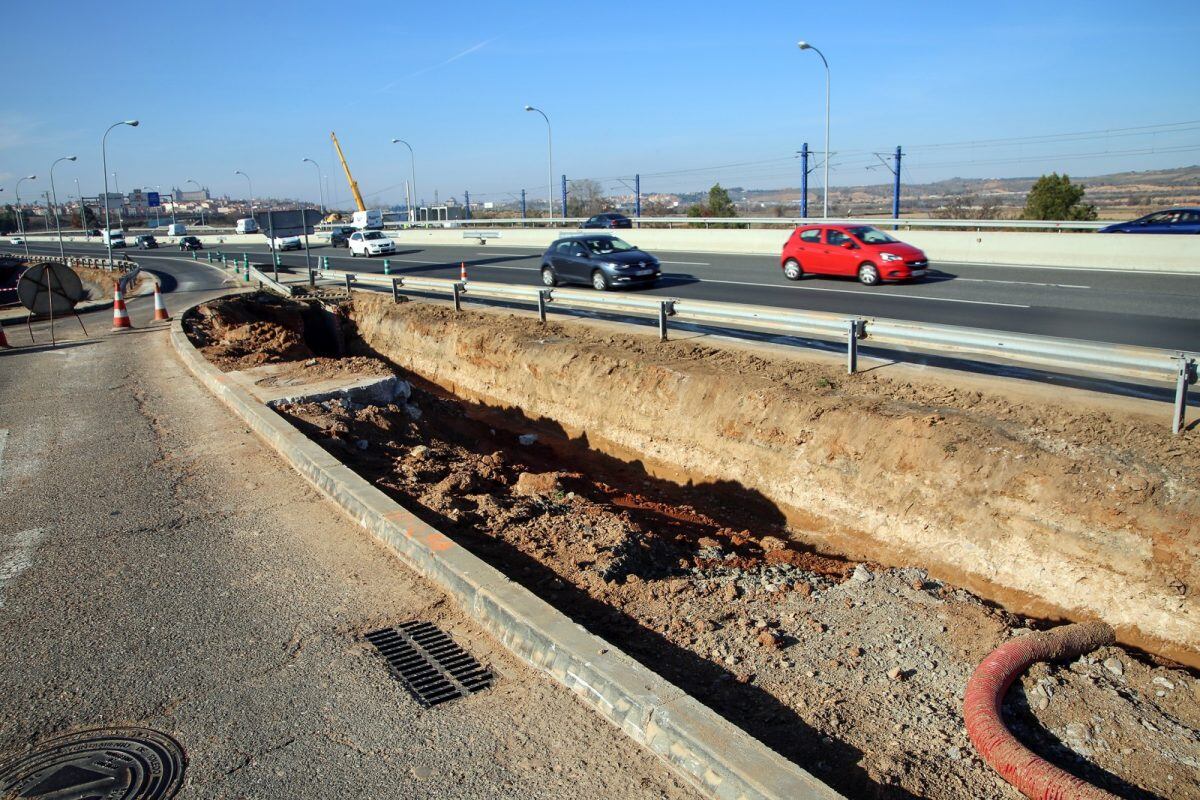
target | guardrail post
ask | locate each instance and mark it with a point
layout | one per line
(1187, 375)
(854, 332)
(543, 299)
(665, 309)
(349, 281)
(457, 296)
(396, 298)
(312, 279)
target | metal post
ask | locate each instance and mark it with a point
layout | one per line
(271, 231)
(349, 282)
(457, 296)
(804, 181)
(21, 211)
(522, 204)
(896, 186)
(1186, 375)
(662, 320)
(395, 290)
(543, 298)
(307, 252)
(637, 197)
(564, 197)
(312, 279)
(467, 204)
(852, 335)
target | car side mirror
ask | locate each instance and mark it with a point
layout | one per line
(848, 245)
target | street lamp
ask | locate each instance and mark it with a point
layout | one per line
(412, 162)
(200, 189)
(133, 123)
(806, 46)
(20, 214)
(320, 188)
(248, 181)
(82, 210)
(53, 193)
(549, 162)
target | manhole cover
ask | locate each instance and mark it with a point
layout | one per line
(101, 764)
(429, 663)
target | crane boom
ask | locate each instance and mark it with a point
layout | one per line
(353, 184)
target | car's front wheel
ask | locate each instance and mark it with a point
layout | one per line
(548, 278)
(792, 270)
(599, 281)
(868, 274)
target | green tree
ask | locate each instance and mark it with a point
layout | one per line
(719, 204)
(1055, 197)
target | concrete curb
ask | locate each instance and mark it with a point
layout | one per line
(720, 759)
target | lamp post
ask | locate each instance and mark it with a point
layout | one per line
(549, 162)
(806, 46)
(20, 214)
(412, 166)
(200, 189)
(251, 184)
(133, 123)
(58, 223)
(320, 188)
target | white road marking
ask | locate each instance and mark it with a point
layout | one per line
(848, 291)
(510, 255)
(16, 556)
(689, 263)
(1024, 283)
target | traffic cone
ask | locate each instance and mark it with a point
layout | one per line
(120, 313)
(463, 273)
(160, 308)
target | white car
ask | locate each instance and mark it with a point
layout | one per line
(370, 243)
(287, 243)
(17, 240)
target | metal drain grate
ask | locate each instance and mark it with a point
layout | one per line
(429, 663)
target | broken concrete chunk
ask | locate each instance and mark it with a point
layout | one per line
(862, 574)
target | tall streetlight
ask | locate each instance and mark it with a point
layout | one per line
(806, 46)
(251, 184)
(549, 162)
(200, 189)
(320, 188)
(133, 123)
(20, 214)
(412, 164)
(82, 212)
(53, 193)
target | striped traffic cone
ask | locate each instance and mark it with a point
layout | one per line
(120, 313)
(160, 308)
(462, 276)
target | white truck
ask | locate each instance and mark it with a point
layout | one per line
(369, 220)
(113, 238)
(247, 225)
(176, 229)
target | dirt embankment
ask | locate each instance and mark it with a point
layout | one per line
(1052, 510)
(100, 283)
(854, 671)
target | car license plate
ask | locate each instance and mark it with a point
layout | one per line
(918, 273)
(644, 272)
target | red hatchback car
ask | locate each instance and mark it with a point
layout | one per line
(855, 250)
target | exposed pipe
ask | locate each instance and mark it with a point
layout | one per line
(1032, 775)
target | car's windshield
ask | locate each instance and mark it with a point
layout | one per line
(869, 235)
(373, 235)
(602, 245)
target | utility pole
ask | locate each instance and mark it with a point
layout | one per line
(804, 181)
(564, 198)
(522, 204)
(637, 196)
(467, 204)
(896, 189)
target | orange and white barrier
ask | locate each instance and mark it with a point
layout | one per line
(160, 308)
(120, 313)
(463, 273)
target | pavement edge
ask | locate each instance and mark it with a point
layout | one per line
(714, 755)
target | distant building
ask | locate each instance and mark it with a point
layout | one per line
(180, 196)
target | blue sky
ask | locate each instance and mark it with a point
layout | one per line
(669, 89)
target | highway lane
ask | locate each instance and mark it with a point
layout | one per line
(1153, 310)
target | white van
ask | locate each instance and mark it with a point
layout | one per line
(114, 238)
(247, 225)
(369, 220)
(176, 229)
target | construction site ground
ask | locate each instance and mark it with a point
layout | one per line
(854, 668)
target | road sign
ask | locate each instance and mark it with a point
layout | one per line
(152, 200)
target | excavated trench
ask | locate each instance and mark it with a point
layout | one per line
(768, 612)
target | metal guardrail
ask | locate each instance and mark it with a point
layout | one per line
(1122, 362)
(767, 222)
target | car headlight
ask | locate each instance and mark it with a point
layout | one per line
(614, 265)
(891, 257)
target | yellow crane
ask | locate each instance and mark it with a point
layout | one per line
(353, 184)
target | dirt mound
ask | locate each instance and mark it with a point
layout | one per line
(249, 330)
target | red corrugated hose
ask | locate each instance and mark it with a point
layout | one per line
(1032, 776)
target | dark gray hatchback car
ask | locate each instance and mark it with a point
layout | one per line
(600, 260)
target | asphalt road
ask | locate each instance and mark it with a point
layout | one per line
(160, 566)
(1152, 310)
